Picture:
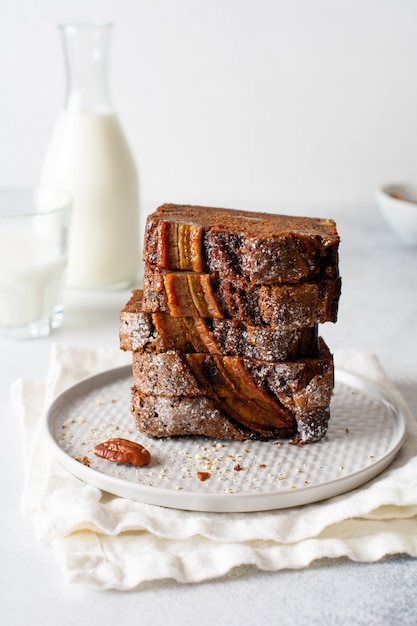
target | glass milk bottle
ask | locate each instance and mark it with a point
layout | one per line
(89, 158)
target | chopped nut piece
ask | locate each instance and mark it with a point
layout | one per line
(84, 460)
(202, 476)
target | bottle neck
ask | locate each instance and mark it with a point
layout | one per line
(86, 55)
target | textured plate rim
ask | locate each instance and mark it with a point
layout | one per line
(233, 502)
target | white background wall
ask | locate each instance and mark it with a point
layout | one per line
(254, 103)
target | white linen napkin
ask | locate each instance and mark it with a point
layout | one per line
(109, 542)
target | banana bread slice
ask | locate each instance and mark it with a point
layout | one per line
(261, 396)
(156, 332)
(278, 306)
(261, 248)
(199, 416)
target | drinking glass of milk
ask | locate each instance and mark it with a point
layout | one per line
(34, 227)
(89, 157)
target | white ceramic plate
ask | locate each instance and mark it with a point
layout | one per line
(366, 431)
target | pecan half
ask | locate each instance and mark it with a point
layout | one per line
(123, 451)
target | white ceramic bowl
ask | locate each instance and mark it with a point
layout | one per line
(398, 204)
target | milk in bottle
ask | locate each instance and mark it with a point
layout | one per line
(88, 156)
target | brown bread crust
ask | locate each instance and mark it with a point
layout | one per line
(278, 306)
(161, 416)
(259, 396)
(260, 248)
(156, 332)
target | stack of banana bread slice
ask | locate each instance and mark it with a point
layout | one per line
(224, 334)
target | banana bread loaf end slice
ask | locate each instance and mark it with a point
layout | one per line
(259, 247)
